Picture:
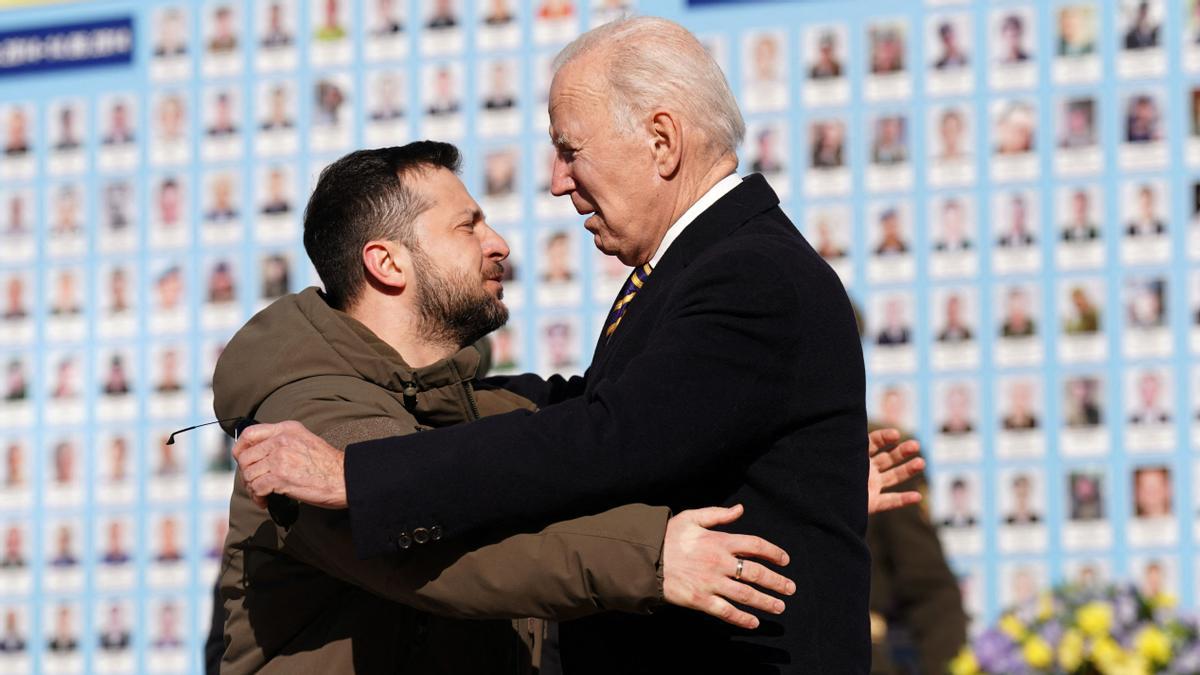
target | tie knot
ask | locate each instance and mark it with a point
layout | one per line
(636, 279)
(640, 274)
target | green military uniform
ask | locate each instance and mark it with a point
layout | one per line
(912, 587)
(298, 600)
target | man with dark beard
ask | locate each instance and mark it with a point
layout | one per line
(412, 278)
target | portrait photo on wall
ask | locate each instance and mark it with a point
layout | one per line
(887, 61)
(1152, 492)
(1014, 57)
(765, 73)
(385, 101)
(1077, 128)
(1022, 497)
(1085, 494)
(954, 237)
(1020, 404)
(956, 507)
(826, 56)
(1019, 331)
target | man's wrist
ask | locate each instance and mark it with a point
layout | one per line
(339, 484)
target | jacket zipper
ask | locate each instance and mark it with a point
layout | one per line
(471, 399)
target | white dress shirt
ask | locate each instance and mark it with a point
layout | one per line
(706, 200)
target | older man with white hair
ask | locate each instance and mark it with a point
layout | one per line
(728, 372)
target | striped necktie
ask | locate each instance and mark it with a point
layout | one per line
(636, 279)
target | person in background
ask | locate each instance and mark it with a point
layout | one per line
(915, 597)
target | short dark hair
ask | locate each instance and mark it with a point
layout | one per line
(362, 197)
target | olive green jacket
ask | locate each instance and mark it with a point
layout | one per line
(298, 600)
(912, 589)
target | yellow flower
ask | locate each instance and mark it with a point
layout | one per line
(964, 663)
(1012, 627)
(1162, 601)
(1107, 654)
(1045, 606)
(1127, 664)
(1153, 645)
(1094, 619)
(1070, 650)
(1037, 653)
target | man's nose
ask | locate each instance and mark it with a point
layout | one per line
(561, 182)
(494, 246)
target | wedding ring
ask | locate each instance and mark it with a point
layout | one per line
(737, 573)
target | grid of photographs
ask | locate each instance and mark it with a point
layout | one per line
(1009, 190)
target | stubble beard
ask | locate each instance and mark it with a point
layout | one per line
(454, 308)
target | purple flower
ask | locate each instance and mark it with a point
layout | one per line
(1125, 609)
(1187, 662)
(1052, 632)
(993, 650)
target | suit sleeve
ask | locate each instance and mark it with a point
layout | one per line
(542, 392)
(609, 561)
(703, 396)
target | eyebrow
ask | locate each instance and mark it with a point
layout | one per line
(473, 213)
(559, 138)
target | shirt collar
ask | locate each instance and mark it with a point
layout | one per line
(706, 200)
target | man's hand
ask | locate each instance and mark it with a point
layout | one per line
(890, 468)
(699, 566)
(288, 459)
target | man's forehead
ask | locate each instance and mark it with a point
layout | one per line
(447, 194)
(577, 83)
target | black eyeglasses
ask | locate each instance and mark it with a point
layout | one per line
(284, 510)
(237, 429)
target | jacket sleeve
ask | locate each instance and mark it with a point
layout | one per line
(704, 393)
(610, 561)
(542, 392)
(924, 592)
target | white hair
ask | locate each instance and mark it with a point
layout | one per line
(654, 62)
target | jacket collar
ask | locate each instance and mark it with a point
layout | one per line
(730, 212)
(375, 360)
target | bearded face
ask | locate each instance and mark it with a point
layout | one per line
(454, 306)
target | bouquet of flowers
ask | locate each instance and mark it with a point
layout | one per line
(1077, 630)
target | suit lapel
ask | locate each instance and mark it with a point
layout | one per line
(729, 213)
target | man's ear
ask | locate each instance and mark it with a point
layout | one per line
(666, 138)
(387, 264)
